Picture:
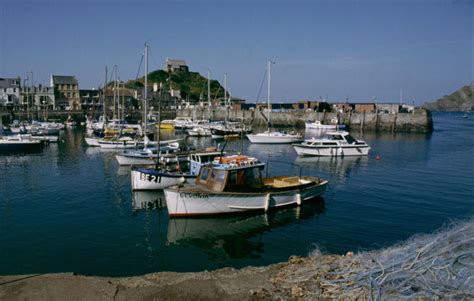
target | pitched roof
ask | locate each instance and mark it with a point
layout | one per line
(9, 82)
(64, 80)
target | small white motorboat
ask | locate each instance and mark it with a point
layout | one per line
(336, 143)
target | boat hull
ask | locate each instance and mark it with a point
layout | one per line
(333, 151)
(21, 146)
(117, 144)
(196, 203)
(153, 180)
(124, 160)
(92, 141)
(266, 139)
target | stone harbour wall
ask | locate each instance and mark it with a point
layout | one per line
(419, 120)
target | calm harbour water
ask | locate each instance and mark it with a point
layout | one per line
(69, 208)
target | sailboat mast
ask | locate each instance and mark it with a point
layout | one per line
(268, 93)
(27, 99)
(119, 116)
(225, 95)
(115, 94)
(146, 92)
(208, 88)
(104, 106)
(123, 102)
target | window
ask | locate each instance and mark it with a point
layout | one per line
(232, 178)
(350, 139)
(219, 175)
(205, 174)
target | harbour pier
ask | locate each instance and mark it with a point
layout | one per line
(418, 120)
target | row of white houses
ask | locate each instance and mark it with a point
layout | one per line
(63, 93)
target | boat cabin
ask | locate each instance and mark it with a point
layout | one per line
(199, 159)
(333, 139)
(231, 173)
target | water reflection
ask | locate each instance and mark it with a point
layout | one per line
(234, 236)
(267, 151)
(123, 170)
(149, 200)
(340, 167)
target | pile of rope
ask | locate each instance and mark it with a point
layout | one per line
(436, 266)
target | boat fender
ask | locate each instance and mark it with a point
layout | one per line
(267, 202)
(298, 199)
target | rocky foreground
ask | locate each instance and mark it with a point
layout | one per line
(436, 266)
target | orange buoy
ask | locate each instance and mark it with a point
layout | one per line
(377, 157)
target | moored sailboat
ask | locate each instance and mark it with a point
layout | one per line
(273, 137)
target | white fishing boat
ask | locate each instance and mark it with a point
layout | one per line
(336, 143)
(234, 184)
(273, 137)
(159, 178)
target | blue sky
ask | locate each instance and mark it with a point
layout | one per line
(334, 49)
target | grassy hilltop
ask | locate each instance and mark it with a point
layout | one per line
(460, 100)
(192, 85)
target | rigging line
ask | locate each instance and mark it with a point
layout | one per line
(217, 94)
(139, 67)
(261, 85)
(111, 75)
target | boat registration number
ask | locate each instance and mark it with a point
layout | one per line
(194, 195)
(150, 178)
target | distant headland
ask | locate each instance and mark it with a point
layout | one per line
(460, 100)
